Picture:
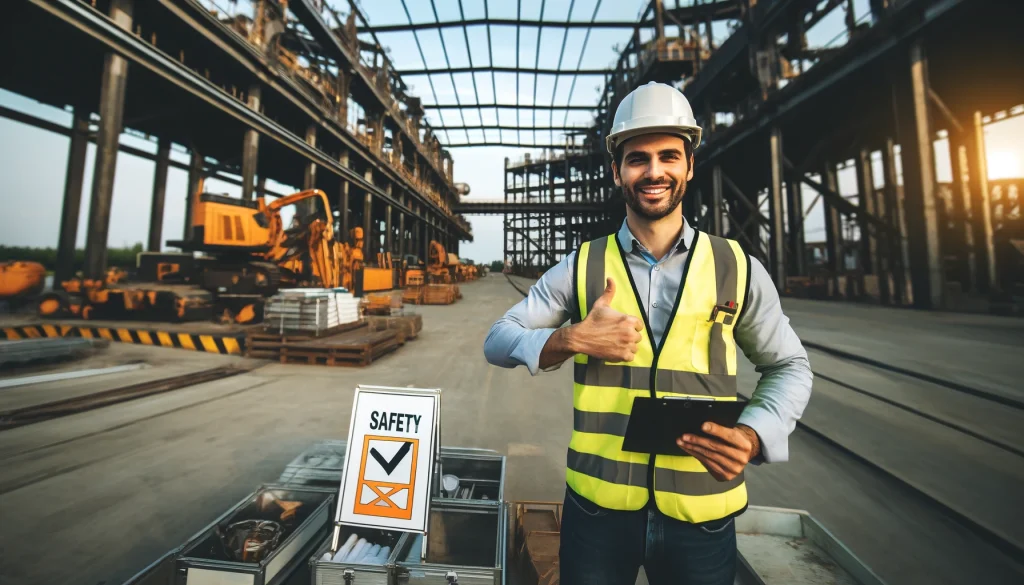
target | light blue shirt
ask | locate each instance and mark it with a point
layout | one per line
(763, 334)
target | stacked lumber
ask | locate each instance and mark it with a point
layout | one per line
(439, 294)
(407, 326)
(356, 348)
(413, 295)
(316, 310)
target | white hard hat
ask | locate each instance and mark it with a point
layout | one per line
(653, 108)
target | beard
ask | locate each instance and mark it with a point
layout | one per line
(676, 190)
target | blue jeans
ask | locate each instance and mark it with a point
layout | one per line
(607, 547)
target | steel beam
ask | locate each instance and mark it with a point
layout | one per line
(156, 210)
(250, 147)
(113, 83)
(64, 267)
(981, 204)
(498, 69)
(777, 233)
(516, 22)
(510, 106)
(367, 227)
(401, 236)
(389, 235)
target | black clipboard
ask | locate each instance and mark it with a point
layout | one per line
(655, 423)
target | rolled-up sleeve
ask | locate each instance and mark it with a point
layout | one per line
(518, 337)
(784, 388)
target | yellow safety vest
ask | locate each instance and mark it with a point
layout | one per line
(697, 357)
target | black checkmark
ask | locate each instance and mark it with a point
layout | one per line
(390, 466)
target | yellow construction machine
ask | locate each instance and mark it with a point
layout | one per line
(246, 255)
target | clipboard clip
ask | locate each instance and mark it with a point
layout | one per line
(728, 308)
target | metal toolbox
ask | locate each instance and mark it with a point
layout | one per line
(205, 560)
(345, 573)
(480, 472)
(466, 544)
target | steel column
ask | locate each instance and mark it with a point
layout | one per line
(981, 205)
(389, 236)
(401, 235)
(917, 155)
(715, 227)
(795, 214)
(195, 184)
(250, 147)
(156, 210)
(833, 228)
(343, 199)
(65, 265)
(894, 208)
(309, 177)
(367, 227)
(777, 233)
(113, 83)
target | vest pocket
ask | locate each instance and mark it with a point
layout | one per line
(700, 349)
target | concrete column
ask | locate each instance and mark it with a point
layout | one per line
(917, 155)
(981, 205)
(833, 228)
(156, 210)
(866, 203)
(777, 235)
(368, 228)
(64, 268)
(195, 180)
(113, 83)
(795, 209)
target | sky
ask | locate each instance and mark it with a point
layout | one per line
(33, 161)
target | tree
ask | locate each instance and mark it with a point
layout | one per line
(497, 266)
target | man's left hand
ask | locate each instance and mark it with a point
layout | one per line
(726, 452)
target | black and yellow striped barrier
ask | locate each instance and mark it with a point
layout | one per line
(233, 343)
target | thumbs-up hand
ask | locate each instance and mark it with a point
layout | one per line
(606, 333)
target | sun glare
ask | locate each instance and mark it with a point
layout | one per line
(1003, 164)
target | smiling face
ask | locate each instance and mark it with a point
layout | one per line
(653, 172)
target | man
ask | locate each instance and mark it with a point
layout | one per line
(657, 307)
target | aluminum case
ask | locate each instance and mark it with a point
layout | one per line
(467, 544)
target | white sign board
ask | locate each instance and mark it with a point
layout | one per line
(392, 446)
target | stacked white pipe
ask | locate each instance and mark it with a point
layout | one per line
(359, 551)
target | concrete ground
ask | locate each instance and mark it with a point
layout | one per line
(93, 498)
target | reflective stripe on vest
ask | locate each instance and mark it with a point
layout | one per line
(697, 357)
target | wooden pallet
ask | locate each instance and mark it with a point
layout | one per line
(274, 334)
(408, 326)
(413, 295)
(357, 348)
(440, 294)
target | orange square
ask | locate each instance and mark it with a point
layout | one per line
(387, 477)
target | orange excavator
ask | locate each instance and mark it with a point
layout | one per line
(21, 281)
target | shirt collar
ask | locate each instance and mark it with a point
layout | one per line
(626, 238)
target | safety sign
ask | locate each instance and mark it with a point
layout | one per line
(393, 447)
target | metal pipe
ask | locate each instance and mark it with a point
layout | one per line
(777, 231)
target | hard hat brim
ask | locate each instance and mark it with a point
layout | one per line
(690, 133)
